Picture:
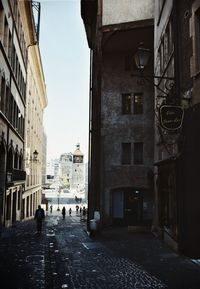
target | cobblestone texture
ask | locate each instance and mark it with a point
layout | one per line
(64, 256)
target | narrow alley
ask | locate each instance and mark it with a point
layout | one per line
(64, 256)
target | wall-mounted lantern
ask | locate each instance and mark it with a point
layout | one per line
(35, 155)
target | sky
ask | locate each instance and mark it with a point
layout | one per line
(65, 58)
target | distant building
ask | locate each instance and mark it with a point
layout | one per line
(52, 170)
(65, 175)
(86, 181)
(78, 170)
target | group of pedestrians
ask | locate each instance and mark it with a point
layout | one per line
(40, 215)
(64, 212)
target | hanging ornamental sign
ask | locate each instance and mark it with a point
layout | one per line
(171, 117)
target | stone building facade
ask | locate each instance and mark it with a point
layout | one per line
(36, 100)
(177, 157)
(114, 29)
(17, 33)
(121, 112)
(44, 158)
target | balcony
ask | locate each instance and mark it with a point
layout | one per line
(15, 176)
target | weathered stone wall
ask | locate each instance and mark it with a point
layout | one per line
(118, 128)
(118, 11)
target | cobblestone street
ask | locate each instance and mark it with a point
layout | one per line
(64, 256)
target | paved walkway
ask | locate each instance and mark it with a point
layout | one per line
(64, 256)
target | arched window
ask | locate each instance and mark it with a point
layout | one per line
(20, 160)
(2, 166)
(16, 160)
(10, 159)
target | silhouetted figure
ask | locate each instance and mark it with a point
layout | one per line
(70, 212)
(84, 213)
(77, 207)
(51, 208)
(63, 212)
(39, 217)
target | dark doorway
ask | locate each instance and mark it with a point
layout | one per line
(133, 201)
(2, 177)
(14, 207)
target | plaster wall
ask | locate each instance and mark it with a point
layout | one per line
(117, 11)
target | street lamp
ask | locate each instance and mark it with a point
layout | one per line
(35, 155)
(142, 57)
(170, 114)
(58, 194)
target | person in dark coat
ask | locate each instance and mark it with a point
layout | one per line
(39, 217)
(63, 212)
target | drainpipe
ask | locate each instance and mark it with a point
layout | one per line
(177, 53)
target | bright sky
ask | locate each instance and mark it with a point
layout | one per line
(65, 58)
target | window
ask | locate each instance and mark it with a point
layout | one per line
(132, 103)
(7, 104)
(20, 161)
(1, 18)
(16, 160)
(5, 35)
(138, 153)
(2, 96)
(138, 103)
(198, 40)
(126, 154)
(10, 160)
(126, 103)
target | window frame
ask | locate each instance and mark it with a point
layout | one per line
(138, 108)
(126, 100)
(125, 156)
(138, 155)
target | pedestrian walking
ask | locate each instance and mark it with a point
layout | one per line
(70, 212)
(63, 212)
(51, 208)
(39, 217)
(77, 208)
(84, 213)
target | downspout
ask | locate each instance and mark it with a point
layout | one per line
(177, 95)
(89, 142)
(98, 152)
